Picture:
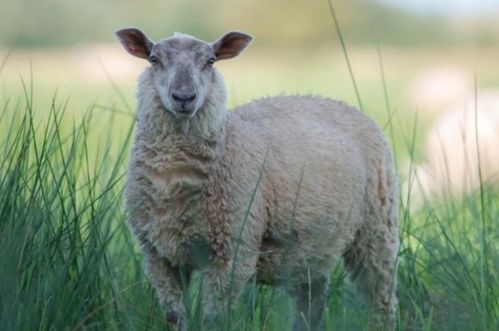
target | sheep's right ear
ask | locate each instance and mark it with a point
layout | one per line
(135, 42)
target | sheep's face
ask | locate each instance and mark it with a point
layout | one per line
(182, 66)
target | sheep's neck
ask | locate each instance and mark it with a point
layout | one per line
(179, 171)
(180, 168)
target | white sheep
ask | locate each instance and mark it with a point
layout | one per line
(279, 189)
(461, 146)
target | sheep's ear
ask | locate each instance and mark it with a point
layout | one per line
(231, 45)
(135, 42)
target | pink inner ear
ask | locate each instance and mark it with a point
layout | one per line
(135, 42)
(135, 48)
(231, 45)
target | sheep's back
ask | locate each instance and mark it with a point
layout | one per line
(321, 155)
(313, 132)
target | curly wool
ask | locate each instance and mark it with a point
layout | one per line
(292, 183)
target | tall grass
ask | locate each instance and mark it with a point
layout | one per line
(68, 262)
(66, 259)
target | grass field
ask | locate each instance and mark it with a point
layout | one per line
(68, 262)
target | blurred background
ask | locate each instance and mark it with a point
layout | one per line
(430, 53)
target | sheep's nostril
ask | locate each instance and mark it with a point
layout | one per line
(184, 98)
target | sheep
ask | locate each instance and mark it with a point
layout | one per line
(437, 86)
(278, 190)
(461, 149)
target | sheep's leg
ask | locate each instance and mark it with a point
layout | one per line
(223, 286)
(371, 261)
(167, 282)
(309, 304)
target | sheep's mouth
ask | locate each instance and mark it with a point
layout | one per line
(183, 113)
(179, 113)
(184, 108)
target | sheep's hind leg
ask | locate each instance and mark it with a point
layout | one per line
(309, 304)
(166, 280)
(371, 261)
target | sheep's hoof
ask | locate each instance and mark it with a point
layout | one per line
(173, 322)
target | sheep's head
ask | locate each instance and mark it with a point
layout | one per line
(182, 66)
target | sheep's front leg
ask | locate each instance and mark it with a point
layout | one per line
(222, 287)
(309, 304)
(167, 282)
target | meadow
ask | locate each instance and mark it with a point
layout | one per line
(68, 262)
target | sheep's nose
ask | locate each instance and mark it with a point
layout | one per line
(183, 97)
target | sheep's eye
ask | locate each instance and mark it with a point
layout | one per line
(153, 59)
(210, 62)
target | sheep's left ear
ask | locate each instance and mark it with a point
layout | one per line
(231, 45)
